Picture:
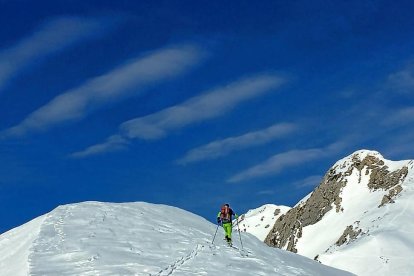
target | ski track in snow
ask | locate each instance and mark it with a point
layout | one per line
(199, 249)
(177, 264)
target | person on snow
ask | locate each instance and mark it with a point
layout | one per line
(224, 218)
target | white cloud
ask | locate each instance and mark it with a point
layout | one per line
(400, 117)
(266, 192)
(403, 81)
(310, 181)
(118, 84)
(113, 143)
(400, 144)
(277, 163)
(212, 104)
(54, 36)
(225, 146)
(282, 161)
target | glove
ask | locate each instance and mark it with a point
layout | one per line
(219, 221)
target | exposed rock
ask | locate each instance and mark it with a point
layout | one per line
(288, 228)
(391, 195)
(380, 176)
(382, 179)
(349, 235)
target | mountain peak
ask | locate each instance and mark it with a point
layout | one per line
(355, 194)
(364, 152)
(356, 157)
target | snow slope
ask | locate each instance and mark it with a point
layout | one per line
(360, 233)
(386, 241)
(259, 221)
(14, 246)
(93, 238)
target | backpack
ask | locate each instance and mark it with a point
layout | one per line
(225, 213)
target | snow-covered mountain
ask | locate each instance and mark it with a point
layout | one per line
(260, 221)
(93, 238)
(360, 218)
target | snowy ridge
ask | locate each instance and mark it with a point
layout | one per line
(15, 248)
(259, 221)
(93, 238)
(368, 228)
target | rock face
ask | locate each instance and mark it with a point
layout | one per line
(389, 198)
(353, 201)
(349, 235)
(288, 228)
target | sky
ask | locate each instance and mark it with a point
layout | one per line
(196, 103)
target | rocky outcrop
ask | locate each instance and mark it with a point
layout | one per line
(380, 176)
(389, 198)
(349, 235)
(288, 228)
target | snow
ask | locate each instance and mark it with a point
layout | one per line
(343, 164)
(94, 238)
(260, 221)
(14, 253)
(386, 244)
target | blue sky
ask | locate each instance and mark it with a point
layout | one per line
(195, 104)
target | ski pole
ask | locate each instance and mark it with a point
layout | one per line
(238, 228)
(212, 242)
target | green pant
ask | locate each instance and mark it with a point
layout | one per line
(227, 229)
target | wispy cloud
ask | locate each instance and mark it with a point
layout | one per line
(402, 146)
(277, 163)
(310, 181)
(52, 37)
(207, 106)
(266, 192)
(403, 80)
(211, 104)
(114, 143)
(225, 146)
(400, 117)
(281, 161)
(120, 83)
